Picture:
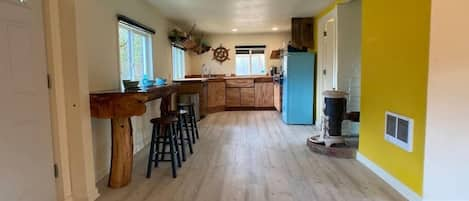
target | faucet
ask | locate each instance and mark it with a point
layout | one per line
(206, 71)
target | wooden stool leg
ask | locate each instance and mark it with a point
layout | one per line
(172, 152)
(181, 138)
(194, 119)
(157, 147)
(174, 141)
(192, 128)
(151, 155)
(188, 136)
(165, 143)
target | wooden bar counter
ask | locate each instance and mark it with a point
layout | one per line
(119, 106)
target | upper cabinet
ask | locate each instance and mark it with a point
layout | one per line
(303, 32)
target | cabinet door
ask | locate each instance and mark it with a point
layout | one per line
(303, 32)
(247, 97)
(277, 97)
(307, 30)
(216, 94)
(233, 97)
(296, 32)
(264, 94)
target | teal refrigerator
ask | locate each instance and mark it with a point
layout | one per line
(298, 88)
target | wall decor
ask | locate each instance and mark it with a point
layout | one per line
(221, 54)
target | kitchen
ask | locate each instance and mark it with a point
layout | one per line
(229, 87)
(248, 88)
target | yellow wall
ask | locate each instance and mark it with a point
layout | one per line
(395, 48)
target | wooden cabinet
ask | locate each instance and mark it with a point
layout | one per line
(242, 93)
(240, 83)
(278, 97)
(247, 97)
(195, 87)
(264, 94)
(233, 97)
(303, 32)
(216, 94)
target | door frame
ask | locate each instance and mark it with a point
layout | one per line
(69, 102)
(57, 100)
(332, 15)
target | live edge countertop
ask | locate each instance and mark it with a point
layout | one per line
(222, 79)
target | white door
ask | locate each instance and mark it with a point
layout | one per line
(327, 68)
(26, 164)
(329, 72)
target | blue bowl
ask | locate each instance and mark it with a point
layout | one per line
(160, 81)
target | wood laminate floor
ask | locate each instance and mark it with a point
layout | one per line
(253, 156)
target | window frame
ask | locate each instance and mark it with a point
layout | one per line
(250, 68)
(183, 61)
(132, 30)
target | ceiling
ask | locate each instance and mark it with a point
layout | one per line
(247, 16)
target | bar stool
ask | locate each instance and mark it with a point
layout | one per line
(192, 121)
(181, 127)
(164, 133)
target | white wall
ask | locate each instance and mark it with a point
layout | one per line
(273, 41)
(101, 42)
(447, 134)
(349, 57)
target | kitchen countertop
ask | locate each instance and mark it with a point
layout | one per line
(222, 79)
(191, 80)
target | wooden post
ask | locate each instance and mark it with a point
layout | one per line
(122, 152)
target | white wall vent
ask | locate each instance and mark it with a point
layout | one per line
(399, 130)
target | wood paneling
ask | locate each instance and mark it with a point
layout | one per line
(240, 83)
(247, 97)
(264, 94)
(233, 97)
(216, 94)
(278, 97)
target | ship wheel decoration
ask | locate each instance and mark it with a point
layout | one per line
(220, 54)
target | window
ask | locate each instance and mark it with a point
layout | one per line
(399, 130)
(135, 50)
(179, 64)
(250, 60)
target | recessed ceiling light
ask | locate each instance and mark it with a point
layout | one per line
(234, 30)
(274, 28)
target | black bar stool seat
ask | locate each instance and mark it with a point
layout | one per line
(164, 120)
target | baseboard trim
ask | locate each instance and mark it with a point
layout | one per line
(388, 178)
(92, 196)
(68, 198)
